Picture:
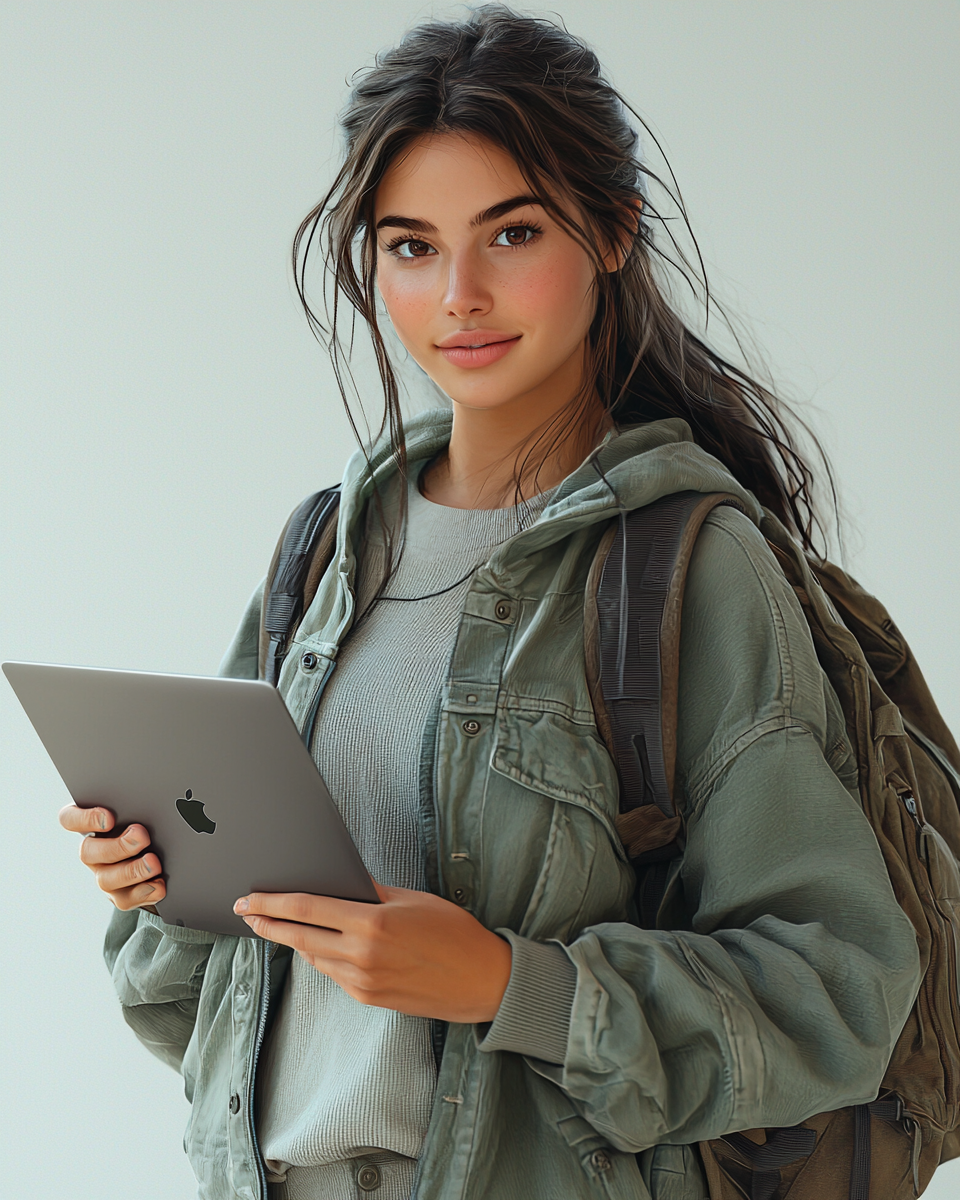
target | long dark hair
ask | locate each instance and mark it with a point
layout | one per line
(536, 91)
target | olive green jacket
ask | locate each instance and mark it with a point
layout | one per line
(788, 968)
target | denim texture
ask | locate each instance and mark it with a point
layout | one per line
(786, 969)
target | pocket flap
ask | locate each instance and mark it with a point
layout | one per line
(557, 757)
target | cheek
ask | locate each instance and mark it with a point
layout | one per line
(556, 294)
(410, 302)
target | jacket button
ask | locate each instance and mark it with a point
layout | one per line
(235, 1103)
(471, 728)
(459, 895)
(309, 662)
(368, 1178)
(600, 1160)
(503, 610)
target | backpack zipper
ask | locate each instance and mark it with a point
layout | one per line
(908, 801)
(910, 804)
(915, 1133)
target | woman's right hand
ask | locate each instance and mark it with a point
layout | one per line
(129, 876)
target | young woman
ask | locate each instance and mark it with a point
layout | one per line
(499, 1026)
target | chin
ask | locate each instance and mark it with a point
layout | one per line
(482, 403)
(481, 394)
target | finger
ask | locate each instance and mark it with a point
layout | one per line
(86, 820)
(139, 896)
(302, 907)
(133, 840)
(309, 940)
(354, 981)
(128, 873)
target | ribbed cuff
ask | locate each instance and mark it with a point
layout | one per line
(534, 1014)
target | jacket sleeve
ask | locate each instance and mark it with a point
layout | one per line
(158, 969)
(790, 968)
(242, 656)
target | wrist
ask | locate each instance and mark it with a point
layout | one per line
(498, 965)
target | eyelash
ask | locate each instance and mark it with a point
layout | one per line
(536, 230)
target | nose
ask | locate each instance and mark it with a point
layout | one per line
(467, 294)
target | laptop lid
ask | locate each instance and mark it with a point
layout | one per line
(216, 771)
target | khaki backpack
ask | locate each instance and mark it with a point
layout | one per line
(909, 779)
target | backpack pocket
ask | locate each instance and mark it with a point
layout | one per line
(944, 875)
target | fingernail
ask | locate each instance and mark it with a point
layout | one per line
(103, 820)
(242, 905)
(148, 889)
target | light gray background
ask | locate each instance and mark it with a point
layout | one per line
(164, 406)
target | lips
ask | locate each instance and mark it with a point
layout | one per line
(477, 347)
(474, 338)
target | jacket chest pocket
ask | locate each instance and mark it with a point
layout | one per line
(559, 757)
(584, 876)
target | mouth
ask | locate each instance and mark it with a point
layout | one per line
(474, 339)
(477, 348)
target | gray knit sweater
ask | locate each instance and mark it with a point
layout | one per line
(339, 1078)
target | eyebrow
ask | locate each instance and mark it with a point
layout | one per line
(417, 225)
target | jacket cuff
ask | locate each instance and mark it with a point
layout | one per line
(177, 933)
(534, 1014)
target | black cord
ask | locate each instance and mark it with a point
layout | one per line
(430, 595)
(463, 578)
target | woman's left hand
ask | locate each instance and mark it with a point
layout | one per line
(414, 952)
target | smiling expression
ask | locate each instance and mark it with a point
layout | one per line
(488, 293)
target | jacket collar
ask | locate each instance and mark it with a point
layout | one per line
(631, 468)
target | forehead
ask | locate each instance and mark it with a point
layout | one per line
(447, 177)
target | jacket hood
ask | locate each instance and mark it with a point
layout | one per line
(631, 468)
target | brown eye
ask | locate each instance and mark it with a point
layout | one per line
(411, 248)
(515, 235)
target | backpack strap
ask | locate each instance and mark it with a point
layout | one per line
(303, 553)
(639, 598)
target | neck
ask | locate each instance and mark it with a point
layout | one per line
(496, 452)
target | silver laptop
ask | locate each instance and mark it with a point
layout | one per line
(216, 771)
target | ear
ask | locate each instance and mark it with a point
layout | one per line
(616, 256)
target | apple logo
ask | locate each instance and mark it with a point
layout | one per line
(192, 812)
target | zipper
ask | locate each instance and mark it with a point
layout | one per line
(915, 1157)
(910, 804)
(915, 1133)
(268, 949)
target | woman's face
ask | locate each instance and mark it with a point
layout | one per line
(486, 291)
